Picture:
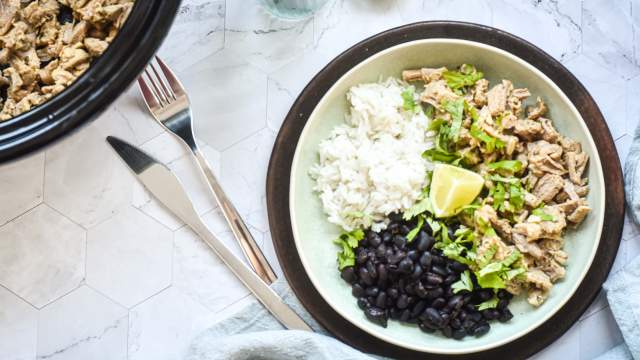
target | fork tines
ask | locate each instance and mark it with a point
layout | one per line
(164, 86)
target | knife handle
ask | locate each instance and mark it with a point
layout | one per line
(240, 231)
(251, 280)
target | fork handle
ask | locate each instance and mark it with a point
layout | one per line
(240, 231)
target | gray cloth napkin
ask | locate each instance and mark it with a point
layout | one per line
(252, 333)
(623, 287)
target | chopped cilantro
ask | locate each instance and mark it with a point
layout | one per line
(423, 205)
(464, 283)
(467, 76)
(509, 165)
(348, 241)
(542, 215)
(508, 180)
(441, 156)
(516, 196)
(414, 232)
(455, 108)
(489, 304)
(408, 98)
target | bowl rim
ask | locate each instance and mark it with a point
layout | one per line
(594, 160)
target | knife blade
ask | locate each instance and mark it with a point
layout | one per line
(167, 188)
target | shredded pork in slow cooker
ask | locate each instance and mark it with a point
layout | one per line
(45, 45)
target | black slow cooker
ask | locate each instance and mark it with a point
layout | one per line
(99, 86)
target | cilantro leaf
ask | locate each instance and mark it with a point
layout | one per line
(490, 143)
(516, 196)
(414, 232)
(348, 241)
(489, 304)
(467, 76)
(499, 194)
(491, 281)
(455, 108)
(408, 99)
(542, 215)
(509, 165)
(436, 124)
(508, 180)
(440, 155)
(420, 207)
(464, 283)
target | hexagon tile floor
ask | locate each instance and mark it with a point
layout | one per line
(91, 267)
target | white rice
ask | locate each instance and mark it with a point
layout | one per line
(372, 166)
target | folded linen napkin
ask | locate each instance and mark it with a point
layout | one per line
(252, 333)
(623, 287)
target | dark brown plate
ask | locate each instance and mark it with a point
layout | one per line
(285, 145)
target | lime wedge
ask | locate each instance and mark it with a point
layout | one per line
(452, 188)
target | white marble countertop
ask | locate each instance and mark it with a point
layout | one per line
(92, 268)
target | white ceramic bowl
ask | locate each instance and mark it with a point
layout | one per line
(313, 234)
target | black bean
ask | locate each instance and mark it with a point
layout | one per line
(417, 272)
(404, 229)
(418, 308)
(458, 334)
(438, 260)
(395, 258)
(435, 293)
(423, 241)
(505, 316)
(403, 302)
(504, 294)
(376, 315)
(490, 314)
(406, 266)
(434, 279)
(481, 329)
(395, 216)
(425, 260)
(392, 293)
(502, 304)
(475, 316)
(387, 237)
(420, 290)
(357, 290)
(462, 315)
(438, 303)
(448, 292)
(393, 228)
(361, 256)
(484, 294)
(399, 241)
(439, 270)
(404, 317)
(413, 255)
(455, 302)
(381, 300)
(469, 324)
(375, 240)
(348, 274)
(451, 233)
(433, 316)
(372, 291)
(394, 313)
(445, 315)
(363, 303)
(381, 250)
(424, 327)
(363, 275)
(447, 331)
(450, 279)
(455, 323)
(457, 266)
(382, 275)
(410, 289)
(372, 269)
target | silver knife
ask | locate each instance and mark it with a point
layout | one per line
(166, 187)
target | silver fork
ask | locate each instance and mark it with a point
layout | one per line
(168, 103)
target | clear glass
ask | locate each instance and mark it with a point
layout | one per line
(292, 9)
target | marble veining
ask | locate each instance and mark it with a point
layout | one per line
(92, 267)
